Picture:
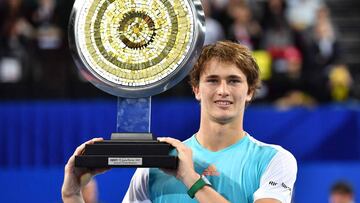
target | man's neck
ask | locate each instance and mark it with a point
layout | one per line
(216, 136)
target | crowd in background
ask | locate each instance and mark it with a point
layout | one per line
(294, 41)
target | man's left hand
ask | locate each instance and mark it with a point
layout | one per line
(185, 171)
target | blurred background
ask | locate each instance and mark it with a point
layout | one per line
(309, 55)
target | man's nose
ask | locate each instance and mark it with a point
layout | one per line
(223, 89)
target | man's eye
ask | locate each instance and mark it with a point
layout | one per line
(234, 81)
(211, 80)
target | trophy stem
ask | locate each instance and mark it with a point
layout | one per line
(133, 115)
(132, 145)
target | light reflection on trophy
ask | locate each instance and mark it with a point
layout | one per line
(134, 49)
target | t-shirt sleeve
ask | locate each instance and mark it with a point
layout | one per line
(277, 182)
(138, 191)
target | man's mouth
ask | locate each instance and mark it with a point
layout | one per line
(223, 102)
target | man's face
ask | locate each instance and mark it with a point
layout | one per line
(222, 91)
(341, 198)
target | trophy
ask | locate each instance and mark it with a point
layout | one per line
(134, 49)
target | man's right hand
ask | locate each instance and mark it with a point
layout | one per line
(76, 178)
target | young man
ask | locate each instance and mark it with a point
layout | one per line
(221, 162)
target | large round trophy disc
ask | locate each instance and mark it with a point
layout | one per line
(136, 48)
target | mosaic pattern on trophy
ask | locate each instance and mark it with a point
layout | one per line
(134, 42)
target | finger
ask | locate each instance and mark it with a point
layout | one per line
(174, 142)
(79, 150)
(92, 141)
(97, 139)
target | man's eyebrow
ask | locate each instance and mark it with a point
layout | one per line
(212, 76)
(235, 77)
(230, 76)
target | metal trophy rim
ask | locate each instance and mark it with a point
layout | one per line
(140, 91)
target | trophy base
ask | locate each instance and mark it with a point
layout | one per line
(126, 150)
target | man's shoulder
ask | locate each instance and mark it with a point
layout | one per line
(277, 151)
(281, 163)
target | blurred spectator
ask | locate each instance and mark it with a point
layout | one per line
(340, 82)
(220, 13)
(325, 46)
(51, 79)
(15, 37)
(219, 5)
(341, 192)
(274, 14)
(214, 31)
(45, 20)
(287, 86)
(244, 30)
(277, 32)
(323, 53)
(302, 13)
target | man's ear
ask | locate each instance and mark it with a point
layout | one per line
(196, 92)
(249, 95)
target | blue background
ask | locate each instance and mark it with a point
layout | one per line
(37, 138)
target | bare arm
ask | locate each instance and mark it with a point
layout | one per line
(76, 178)
(208, 194)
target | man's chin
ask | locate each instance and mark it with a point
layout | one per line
(224, 119)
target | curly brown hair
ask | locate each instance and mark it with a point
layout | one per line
(228, 52)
